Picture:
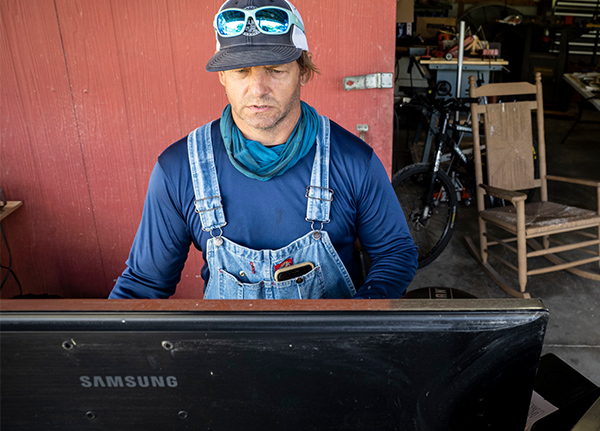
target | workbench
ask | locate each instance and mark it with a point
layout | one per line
(587, 95)
(446, 71)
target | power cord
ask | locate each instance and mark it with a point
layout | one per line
(8, 268)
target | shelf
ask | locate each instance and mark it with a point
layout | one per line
(9, 208)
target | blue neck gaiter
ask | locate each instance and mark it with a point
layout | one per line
(262, 163)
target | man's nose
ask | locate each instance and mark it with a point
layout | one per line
(259, 85)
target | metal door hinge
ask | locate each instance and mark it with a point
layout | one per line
(362, 129)
(365, 82)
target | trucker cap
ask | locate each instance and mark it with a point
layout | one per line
(253, 47)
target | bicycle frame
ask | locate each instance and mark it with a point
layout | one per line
(433, 133)
(443, 139)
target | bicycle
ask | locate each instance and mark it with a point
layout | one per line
(428, 194)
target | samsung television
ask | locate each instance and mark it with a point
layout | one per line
(412, 364)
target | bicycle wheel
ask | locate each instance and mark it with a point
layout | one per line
(431, 233)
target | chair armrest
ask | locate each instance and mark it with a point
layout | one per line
(590, 183)
(503, 193)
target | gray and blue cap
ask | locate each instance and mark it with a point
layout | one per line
(257, 33)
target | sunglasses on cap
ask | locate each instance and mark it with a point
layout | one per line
(269, 20)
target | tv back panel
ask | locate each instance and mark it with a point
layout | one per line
(465, 364)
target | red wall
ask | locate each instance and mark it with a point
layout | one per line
(93, 90)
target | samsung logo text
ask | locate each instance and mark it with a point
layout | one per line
(128, 381)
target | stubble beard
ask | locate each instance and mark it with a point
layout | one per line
(268, 121)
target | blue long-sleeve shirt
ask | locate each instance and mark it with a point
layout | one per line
(270, 215)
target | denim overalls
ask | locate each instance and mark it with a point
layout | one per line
(228, 262)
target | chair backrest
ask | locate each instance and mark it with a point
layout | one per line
(509, 135)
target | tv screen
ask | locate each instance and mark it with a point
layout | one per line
(464, 364)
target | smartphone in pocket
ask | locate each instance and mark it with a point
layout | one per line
(289, 272)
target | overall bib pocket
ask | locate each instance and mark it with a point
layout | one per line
(228, 286)
(307, 286)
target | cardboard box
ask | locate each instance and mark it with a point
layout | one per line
(405, 10)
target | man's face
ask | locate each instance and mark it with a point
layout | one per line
(265, 100)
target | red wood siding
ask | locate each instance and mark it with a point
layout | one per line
(91, 91)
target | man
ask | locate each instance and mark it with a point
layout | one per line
(273, 194)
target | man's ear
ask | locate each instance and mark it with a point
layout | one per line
(303, 78)
(305, 73)
(222, 77)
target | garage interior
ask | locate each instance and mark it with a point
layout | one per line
(561, 39)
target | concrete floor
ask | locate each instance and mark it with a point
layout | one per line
(573, 332)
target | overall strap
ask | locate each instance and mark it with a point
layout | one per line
(204, 177)
(318, 192)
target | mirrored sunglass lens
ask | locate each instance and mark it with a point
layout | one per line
(231, 22)
(272, 20)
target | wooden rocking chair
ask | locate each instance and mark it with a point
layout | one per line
(510, 170)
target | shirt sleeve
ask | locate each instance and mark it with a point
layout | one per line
(384, 234)
(160, 247)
